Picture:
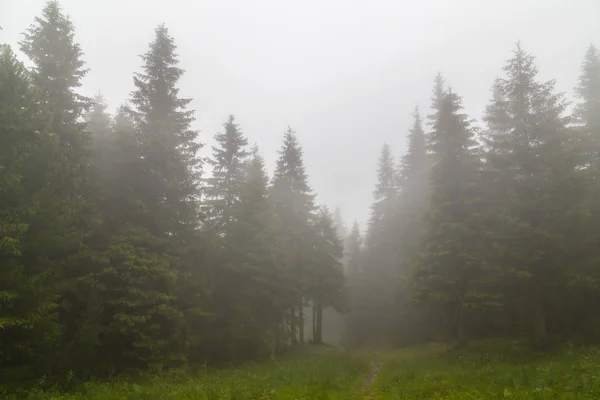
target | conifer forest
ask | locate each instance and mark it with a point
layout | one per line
(128, 245)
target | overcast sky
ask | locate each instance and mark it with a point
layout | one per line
(345, 74)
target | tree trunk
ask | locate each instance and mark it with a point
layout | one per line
(301, 321)
(293, 325)
(540, 338)
(461, 326)
(319, 324)
(314, 319)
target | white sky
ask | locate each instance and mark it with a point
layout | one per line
(345, 74)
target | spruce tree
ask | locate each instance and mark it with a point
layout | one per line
(251, 291)
(353, 249)
(438, 94)
(385, 198)
(168, 143)
(342, 232)
(413, 185)
(588, 94)
(227, 176)
(381, 272)
(363, 315)
(100, 127)
(338, 221)
(414, 166)
(60, 234)
(412, 204)
(449, 270)
(150, 305)
(294, 207)
(533, 162)
(28, 294)
(587, 114)
(354, 274)
(326, 280)
(58, 69)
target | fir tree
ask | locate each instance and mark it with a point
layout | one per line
(169, 145)
(413, 185)
(449, 270)
(228, 173)
(340, 226)
(326, 280)
(438, 93)
(532, 160)
(353, 249)
(100, 127)
(57, 72)
(385, 198)
(150, 307)
(587, 114)
(252, 286)
(414, 166)
(414, 191)
(98, 121)
(60, 234)
(363, 318)
(588, 93)
(293, 203)
(381, 272)
(28, 294)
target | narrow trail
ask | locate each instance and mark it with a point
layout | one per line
(369, 381)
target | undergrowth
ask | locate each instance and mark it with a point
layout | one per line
(328, 375)
(486, 370)
(498, 370)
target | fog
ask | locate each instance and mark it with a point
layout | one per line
(144, 238)
(344, 74)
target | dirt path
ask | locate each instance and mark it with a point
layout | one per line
(369, 381)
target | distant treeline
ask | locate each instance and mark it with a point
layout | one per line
(487, 232)
(117, 253)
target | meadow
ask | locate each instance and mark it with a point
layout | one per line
(314, 375)
(485, 370)
(490, 370)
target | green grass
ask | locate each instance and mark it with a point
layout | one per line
(500, 370)
(319, 376)
(486, 370)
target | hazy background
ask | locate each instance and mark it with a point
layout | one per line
(344, 74)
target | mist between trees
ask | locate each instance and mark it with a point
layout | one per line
(119, 251)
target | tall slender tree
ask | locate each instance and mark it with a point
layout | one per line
(293, 202)
(414, 166)
(385, 199)
(250, 286)
(66, 218)
(413, 185)
(228, 174)
(354, 249)
(587, 114)
(152, 306)
(449, 270)
(340, 225)
(169, 144)
(326, 280)
(380, 274)
(28, 292)
(437, 96)
(413, 174)
(588, 94)
(532, 158)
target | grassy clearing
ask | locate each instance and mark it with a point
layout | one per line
(318, 376)
(489, 371)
